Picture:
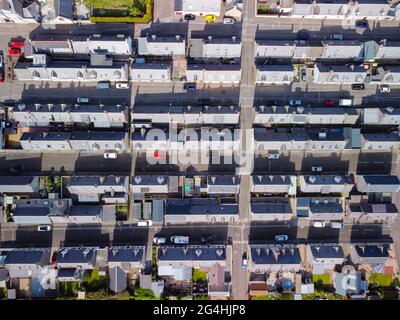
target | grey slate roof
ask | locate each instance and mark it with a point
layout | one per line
(388, 180)
(75, 255)
(267, 208)
(15, 180)
(271, 180)
(270, 254)
(200, 253)
(118, 281)
(125, 254)
(199, 206)
(27, 256)
(368, 251)
(327, 251)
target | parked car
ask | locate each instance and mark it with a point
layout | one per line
(281, 237)
(82, 100)
(102, 85)
(362, 24)
(189, 17)
(345, 102)
(180, 239)
(145, 223)
(358, 86)
(122, 85)
(303, 74)
(336, 36)
(44, 228)
(318, 224)
(303, 36)
(273, 156)
(295, 102)
(384, 89)
(207, 238)
(159, 240)
(228, 20)
(316, 168)
(328, 102)
(189, 87)
(336, 225)
(244, 260)
(110, 155)
(14, 52)
(210, 18)
(16, 44)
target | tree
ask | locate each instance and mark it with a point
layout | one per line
(144, 294)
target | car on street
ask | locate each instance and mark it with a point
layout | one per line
(336, 36)
(210, 18)
(244, 260)
(189, 17)
(180, 239)
(328, 102)
(103, 85)
(316, 168)
(44, 228)
(303, 36)
(122, 85)
(110, 155)
(303, 74)
(228, 20)
(295, 102)
(358, 86)
(16, 44)
(207, 238)
(384, 89)
(281, 237)
(189, 87)
(145, 223)
(362, 24)
(14, 52)
(318, 224)
(82, 100)
(159, 240)
(336, 225)
(273, 156)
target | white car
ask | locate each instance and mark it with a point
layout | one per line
(316, 168)
(82, 100)
(336, 225)
(228, 20)
(159, 240)
(44, 228)
(273, 156)
(180, 239)
(145, 223)
(384, 89)
(319, 224)
(110, 155)
(122, 85)
(295, 102)
(281, 237)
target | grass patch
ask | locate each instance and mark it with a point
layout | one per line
(68, 288)
(322, 294)
(3, 293)
(275, 296)
(139, 11)
(93, 282)
(198, 276)
(381, 280)
(143, 294)
(323, 279)
(201, 297)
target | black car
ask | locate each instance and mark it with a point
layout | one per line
(189, 87)
(189, 17)
(358, 86)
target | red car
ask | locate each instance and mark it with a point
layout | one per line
(14, 52)
(16, 44)
(328, 102)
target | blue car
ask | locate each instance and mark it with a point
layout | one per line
(362, 24)
(189, 87)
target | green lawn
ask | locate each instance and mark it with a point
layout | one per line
(107, 4)
(199, 276)
(381, 280)
(201, 297)
(275, 296)
(323, 279)
(321, 294)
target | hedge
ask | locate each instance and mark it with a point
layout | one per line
(148, 16)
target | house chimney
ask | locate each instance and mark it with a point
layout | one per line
(233, 38)
(177, 37)
(210, 38)
(153, 36)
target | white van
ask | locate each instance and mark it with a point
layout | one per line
(345, 102)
